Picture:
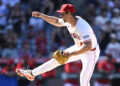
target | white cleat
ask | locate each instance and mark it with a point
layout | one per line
(26, 73)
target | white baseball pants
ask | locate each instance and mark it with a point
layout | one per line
(88, 60)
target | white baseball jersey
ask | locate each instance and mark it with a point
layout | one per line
(81, 32)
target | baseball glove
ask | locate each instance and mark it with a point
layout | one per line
(58, 55)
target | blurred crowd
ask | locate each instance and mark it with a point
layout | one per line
(22, 36)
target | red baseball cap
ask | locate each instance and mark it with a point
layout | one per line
(67, 8)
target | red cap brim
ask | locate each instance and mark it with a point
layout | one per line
(60, 11)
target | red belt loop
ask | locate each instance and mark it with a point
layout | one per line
(93, 49)
(81, 43)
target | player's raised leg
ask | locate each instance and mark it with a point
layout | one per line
(47, 66)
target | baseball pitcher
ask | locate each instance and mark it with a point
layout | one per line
(85, 46)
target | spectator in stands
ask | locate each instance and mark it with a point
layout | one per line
(102, 19)
(9, 69)
(10, 51)
(25, 50)
(97, 30)
(105, 67)
(110, 4)
(3, 14)
(26, 62)
(56, 38)
(15, 18)
(31, 38)
(28, 14)
(11, 3)
(23, 24)
(116, 81)
(117, 3)
(105, 38)
(41, 42)
(2, 39)
(58, 3)
(67, 38)
(10, 35)
(36, 4)
(79, 6)
(115, 22)
(48, 7)
(37, 24)
(113, 47)
(90, 12)
(57, 35)
(72, 68)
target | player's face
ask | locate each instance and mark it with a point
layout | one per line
(64, 16)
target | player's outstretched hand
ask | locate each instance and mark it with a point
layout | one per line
(36, 14)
